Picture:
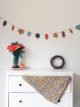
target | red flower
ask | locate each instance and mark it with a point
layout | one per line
(14, 47)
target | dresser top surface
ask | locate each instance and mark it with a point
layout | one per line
(39, 72)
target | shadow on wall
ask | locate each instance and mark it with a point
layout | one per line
(25, 56)
(76, 88)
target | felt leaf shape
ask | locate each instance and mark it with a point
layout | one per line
(71, 31)
(20, 31)
(78, 27)
(4, 23)
(63, 34)
(55, 35)
(37, 35)
(13, 27)
(29, 33)
(46, 36)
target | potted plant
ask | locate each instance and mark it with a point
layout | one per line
(17, 50)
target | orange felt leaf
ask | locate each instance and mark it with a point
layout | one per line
(21, 31)
(55, 35)
(71, 31)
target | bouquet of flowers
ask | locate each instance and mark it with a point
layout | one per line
(16, 49)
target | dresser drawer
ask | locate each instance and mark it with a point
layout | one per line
(17, 84)
(35, 100)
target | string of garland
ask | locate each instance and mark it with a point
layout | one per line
(37, 35)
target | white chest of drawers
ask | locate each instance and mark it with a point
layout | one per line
(21, 94)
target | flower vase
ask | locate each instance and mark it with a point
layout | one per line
(15, 62)
(16, 49)
(16, 54)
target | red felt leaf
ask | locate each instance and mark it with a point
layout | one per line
(46, 36)
(63, 34)
(13, 27)
(4, 23)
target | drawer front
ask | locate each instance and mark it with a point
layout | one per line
(35, 100)
(17, 84)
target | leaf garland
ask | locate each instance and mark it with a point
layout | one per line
(37, 35)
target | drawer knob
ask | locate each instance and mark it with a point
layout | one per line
(20, 101)
(20, 84)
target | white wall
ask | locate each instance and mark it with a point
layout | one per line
(41, 16)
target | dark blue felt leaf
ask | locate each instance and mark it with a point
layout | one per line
(37, 35)
(78, 27)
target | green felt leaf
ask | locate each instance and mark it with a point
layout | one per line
(28, 33)
(78, 27)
